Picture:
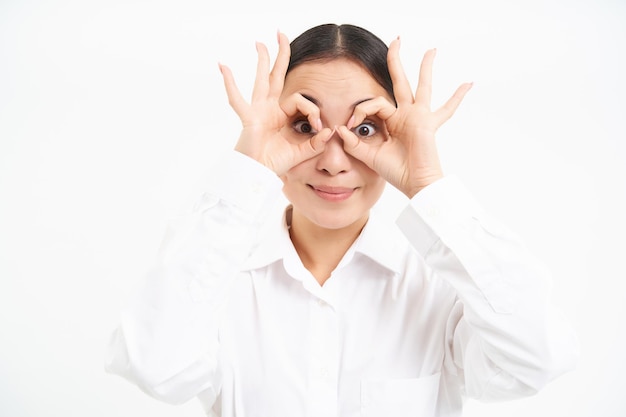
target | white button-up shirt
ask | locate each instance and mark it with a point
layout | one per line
(443, 304)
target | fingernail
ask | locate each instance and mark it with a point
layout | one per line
(278, 36)
(330, 135)
(350, 122)
(318, 122)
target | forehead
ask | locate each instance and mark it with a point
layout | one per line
(338, 79)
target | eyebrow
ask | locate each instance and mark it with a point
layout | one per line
(317, 103)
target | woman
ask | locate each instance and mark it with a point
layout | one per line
(318, 309)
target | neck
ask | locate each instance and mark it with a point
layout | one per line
(319, 248)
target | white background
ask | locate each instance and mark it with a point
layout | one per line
(110, 111)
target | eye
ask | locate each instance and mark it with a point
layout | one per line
(304, 127)
(366, 129)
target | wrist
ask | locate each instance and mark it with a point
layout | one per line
(424, 182)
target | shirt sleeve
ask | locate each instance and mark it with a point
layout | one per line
(505, 338)
(167, 342)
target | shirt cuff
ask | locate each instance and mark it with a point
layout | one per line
(242, 182)
(435, 211)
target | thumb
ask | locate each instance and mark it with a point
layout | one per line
(356, 147)
(315, 145)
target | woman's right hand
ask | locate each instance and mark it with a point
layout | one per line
(264, 118)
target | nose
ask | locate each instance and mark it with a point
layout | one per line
(334, 159)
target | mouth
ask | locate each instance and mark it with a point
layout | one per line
(334, 194)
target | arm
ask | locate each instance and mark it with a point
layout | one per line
(167, 340)
(505, 337)
(503, 334)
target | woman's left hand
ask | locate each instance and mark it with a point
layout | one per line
(408, 157)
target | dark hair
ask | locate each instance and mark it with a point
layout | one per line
(330, 41)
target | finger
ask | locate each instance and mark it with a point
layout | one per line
(356, 147)
(277, 76)
(296, 103)
(314, 146)
(378, 106)
(261, 82)
(401, 86)
(447, 110)
(425, 84)
(235, 99)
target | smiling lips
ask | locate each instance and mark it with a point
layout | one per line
(332, 193)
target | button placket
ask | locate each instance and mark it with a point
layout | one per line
(324, 359)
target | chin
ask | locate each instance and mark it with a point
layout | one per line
(335, 220)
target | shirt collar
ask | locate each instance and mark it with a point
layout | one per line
(380, 241)
(273, 245)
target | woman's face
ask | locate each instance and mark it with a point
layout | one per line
(333, 190)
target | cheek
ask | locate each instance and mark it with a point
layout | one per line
(375, 184)
(293, 178)
(296, 173)
(378, 187)
(370, 176)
